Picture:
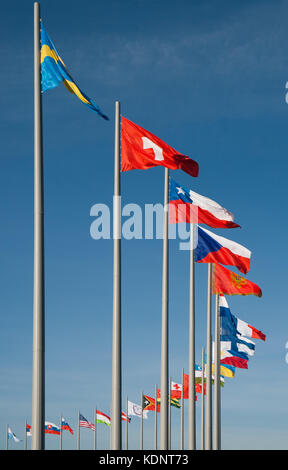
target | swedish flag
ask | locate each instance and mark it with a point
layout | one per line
(54, 71)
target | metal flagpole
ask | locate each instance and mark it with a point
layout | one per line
(203, 402)
(25, 439)
(116, 436)
(141, 423)
(208, 420)
(191, 401)
(182, 414)
(7, 436)
(95, 432)
(78, 438)
(127, 422)
(164, 326)
(156, 417)
(60, 432)
(217, 416)
(169, 415)
(38, 380)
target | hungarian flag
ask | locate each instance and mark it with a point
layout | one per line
(226, 282)
(142, 150)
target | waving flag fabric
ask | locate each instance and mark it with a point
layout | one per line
(238, 344)
(231, 325)
(188, 206)
(149, 404)
(65, 426)
(136, 410)
(212, 248)
(13, 436)
(124, 417)
(233, 358)
(103, 418)
(84, 423)
(51, 428)
(54, 71)
(173, 401)
(28, 430)
(225, 281)
(142, 150)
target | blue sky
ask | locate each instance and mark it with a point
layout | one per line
(209, 79)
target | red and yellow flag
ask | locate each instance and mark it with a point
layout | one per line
(227, 282)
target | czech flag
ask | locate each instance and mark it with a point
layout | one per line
(212, 248)
(225, 281)
(142, 150)
(188, 206)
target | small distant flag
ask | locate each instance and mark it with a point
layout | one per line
(54, 71)
(102, 418)
(65, 426)
(12, 436)
(124, 417)
(212, 248)
(225, 281)
(149, 404)
(142, 150)
(173, 401)
(28, 430)
(186, 205)
(84, 423)
(136, 410)
(51, 428)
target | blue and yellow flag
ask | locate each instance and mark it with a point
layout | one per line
(54, 71)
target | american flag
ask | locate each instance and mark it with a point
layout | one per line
(84, 423)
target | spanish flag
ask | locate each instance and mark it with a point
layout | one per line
(227, 282)
(54, 71)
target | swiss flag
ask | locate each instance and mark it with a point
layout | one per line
(142, 150)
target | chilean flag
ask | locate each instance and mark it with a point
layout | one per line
(188, 206)
(212, 248)
(142, 150)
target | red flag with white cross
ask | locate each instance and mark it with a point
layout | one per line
(142, 150)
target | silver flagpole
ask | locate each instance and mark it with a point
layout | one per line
(217, 417)
(127, 422)
(191, 404)
(156, 417)
(164, 326)
(169, 416)
(78, 438)
(60, 432)
(116, 436)
(7, 425)
(203, 402)
(25, 439)
(95, 432)
(141, 423)
(208, 420)
(182, 414)
(38, 380)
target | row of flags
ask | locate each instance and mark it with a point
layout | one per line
(140, 149)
